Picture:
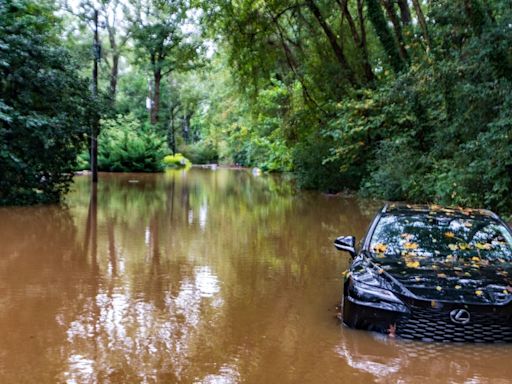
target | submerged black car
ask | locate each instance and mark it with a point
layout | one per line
(432, 274)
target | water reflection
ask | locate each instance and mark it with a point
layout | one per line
(189, 277)
(157, 296)
(391, 360)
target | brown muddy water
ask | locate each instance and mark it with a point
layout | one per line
(198, 277)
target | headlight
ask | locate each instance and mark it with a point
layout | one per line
(373, 294)
(365, 289)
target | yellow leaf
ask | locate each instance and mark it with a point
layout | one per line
(453, 247)
(474, 258)
(485, 246)
(463, 246)
(449, 234)
(412, 264)
(439, 288)
(479, 292)
(410, 245)
(380, 248)
(458, 287)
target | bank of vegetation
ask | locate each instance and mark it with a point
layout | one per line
(397, 99)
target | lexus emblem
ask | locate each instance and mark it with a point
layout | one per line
(460, 316)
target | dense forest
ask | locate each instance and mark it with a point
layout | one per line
(396, 99)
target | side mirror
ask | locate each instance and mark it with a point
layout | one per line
(346, 243)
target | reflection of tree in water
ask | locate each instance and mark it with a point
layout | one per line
(41, 269)
(187, 263)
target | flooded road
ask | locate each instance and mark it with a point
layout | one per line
(198, 277)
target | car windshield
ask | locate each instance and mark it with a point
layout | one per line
(421, 236)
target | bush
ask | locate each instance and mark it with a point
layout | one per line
(44, 105)
(125, 145)
(202, 152)
(313, 172)
(176, 161)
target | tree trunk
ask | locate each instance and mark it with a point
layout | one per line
(397, 28)
(364, 47)
(171, 130)
(155, 103)
(380, 24)
(345, 11)
(336, 47)
(358, 37)
(185, 126)
(405, 11)
(292, 62)
(422, 22)
(114, 72)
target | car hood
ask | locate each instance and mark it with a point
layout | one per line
(469, 282)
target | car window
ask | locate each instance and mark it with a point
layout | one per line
(423, 235)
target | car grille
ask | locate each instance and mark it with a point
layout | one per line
(435, 325)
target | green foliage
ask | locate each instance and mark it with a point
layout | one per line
(376, 16)
(126, 145)
(176, 161)
(44, 105)
(356, 96)
(201, 152)
(313, 172)
(436, 128)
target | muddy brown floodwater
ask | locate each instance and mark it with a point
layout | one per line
(198, 277)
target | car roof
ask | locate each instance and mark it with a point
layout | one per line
(402, 208)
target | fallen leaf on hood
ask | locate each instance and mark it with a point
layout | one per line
(380, 248)
(485, 246)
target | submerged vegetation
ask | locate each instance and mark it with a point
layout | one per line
(397, 99)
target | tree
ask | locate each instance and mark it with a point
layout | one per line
(44, 105)
(112, 18)
(118, 36)
(162, 44)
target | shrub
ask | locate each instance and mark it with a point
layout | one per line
(313, 172)
(176, 161)
(202, 152)
(125, 145)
